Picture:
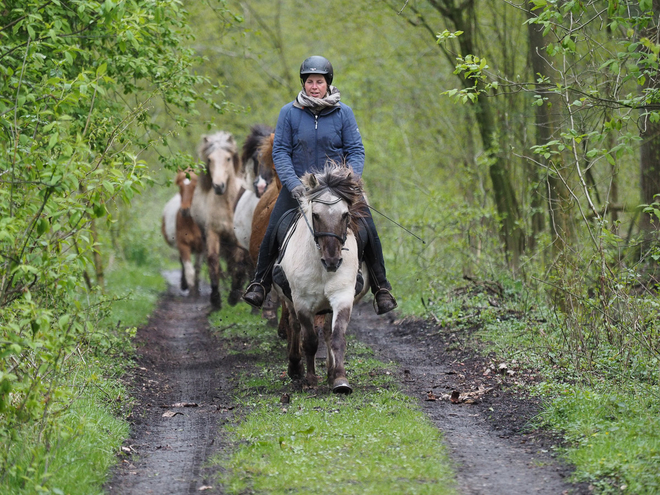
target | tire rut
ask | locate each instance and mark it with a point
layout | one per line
(179, 362)
(492, 449)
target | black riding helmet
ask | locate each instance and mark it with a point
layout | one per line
(316, 65)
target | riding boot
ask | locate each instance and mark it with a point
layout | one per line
(381, 288)
(259, 287)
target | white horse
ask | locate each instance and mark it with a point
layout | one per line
(213, 210)
(316, 274)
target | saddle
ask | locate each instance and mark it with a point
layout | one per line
(280, 241)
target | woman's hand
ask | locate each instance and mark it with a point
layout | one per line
(298, 192)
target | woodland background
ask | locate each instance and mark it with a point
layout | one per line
(520, 140)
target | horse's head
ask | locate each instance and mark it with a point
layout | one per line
(253, 156)
(265, 172)
(335, 199)
(222, 162)
(187, 181)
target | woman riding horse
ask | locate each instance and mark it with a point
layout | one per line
(311, 130)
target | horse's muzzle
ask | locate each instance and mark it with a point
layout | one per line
(220, 188)
(185, 212)
(331, 266)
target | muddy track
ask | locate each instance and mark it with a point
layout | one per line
(488, 432)
(184, 371)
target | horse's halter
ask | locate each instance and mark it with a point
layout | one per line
(315, 234)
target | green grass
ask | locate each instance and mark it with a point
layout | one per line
(77, 445)
(373, 441)
(603, 401)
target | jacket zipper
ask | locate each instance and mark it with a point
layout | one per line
(316, 121)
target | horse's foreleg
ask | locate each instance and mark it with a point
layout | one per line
(310, 345)
(337, 377)
(283, 327)
(239, 270)
(198, 268)
(296, 367)
(213, 260)
(187, 270)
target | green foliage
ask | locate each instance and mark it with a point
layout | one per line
(77, 82)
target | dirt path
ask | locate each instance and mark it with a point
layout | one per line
(180, 363)
(486, 431)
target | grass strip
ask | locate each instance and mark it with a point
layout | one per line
(374, 441)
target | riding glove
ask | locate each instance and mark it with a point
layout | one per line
(298, 192)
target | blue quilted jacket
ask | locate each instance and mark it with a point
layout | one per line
(304, 141)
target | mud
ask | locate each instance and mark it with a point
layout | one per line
(181, 370)
(494, 448)
(489, 430)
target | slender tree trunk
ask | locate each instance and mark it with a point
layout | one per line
(650, 150)
(548, 118)
(464, 18)
(98, 262)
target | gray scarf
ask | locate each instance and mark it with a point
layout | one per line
(331, 99)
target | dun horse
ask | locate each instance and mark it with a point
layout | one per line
(317, 271)
(212, 208)
(181, 231)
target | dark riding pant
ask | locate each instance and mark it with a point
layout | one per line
(268, 250)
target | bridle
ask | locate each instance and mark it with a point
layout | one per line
(315, 234)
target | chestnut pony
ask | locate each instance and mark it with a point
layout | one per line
(181, 231)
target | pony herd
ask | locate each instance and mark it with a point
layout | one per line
(223, 212)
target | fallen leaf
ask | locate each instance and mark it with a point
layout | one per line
(204, 487)
(430, 396)
(179, 404)
(285, 399)
(455, 397)
(171, 414)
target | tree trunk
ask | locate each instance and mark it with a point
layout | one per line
(548, 117)
(650, 151)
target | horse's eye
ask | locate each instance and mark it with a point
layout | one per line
(345, 215)
(315, 216)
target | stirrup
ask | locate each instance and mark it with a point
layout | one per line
(386, 308)
(252, 301)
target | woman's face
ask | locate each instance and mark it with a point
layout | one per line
(316, 86)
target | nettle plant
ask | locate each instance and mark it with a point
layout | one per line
(78, 79)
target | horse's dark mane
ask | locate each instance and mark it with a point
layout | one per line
(252, 144)
(342, 181)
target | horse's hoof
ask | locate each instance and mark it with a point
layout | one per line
(215, 300)
(311, 381)
(234, 297)
(341, 386)
(281, 332)
(296, 371)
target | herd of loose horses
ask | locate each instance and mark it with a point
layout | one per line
(223, 212)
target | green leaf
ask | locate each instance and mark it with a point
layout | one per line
(53, 140)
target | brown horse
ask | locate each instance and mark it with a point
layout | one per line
(260, 220)
(181, 231)
(213, 210)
